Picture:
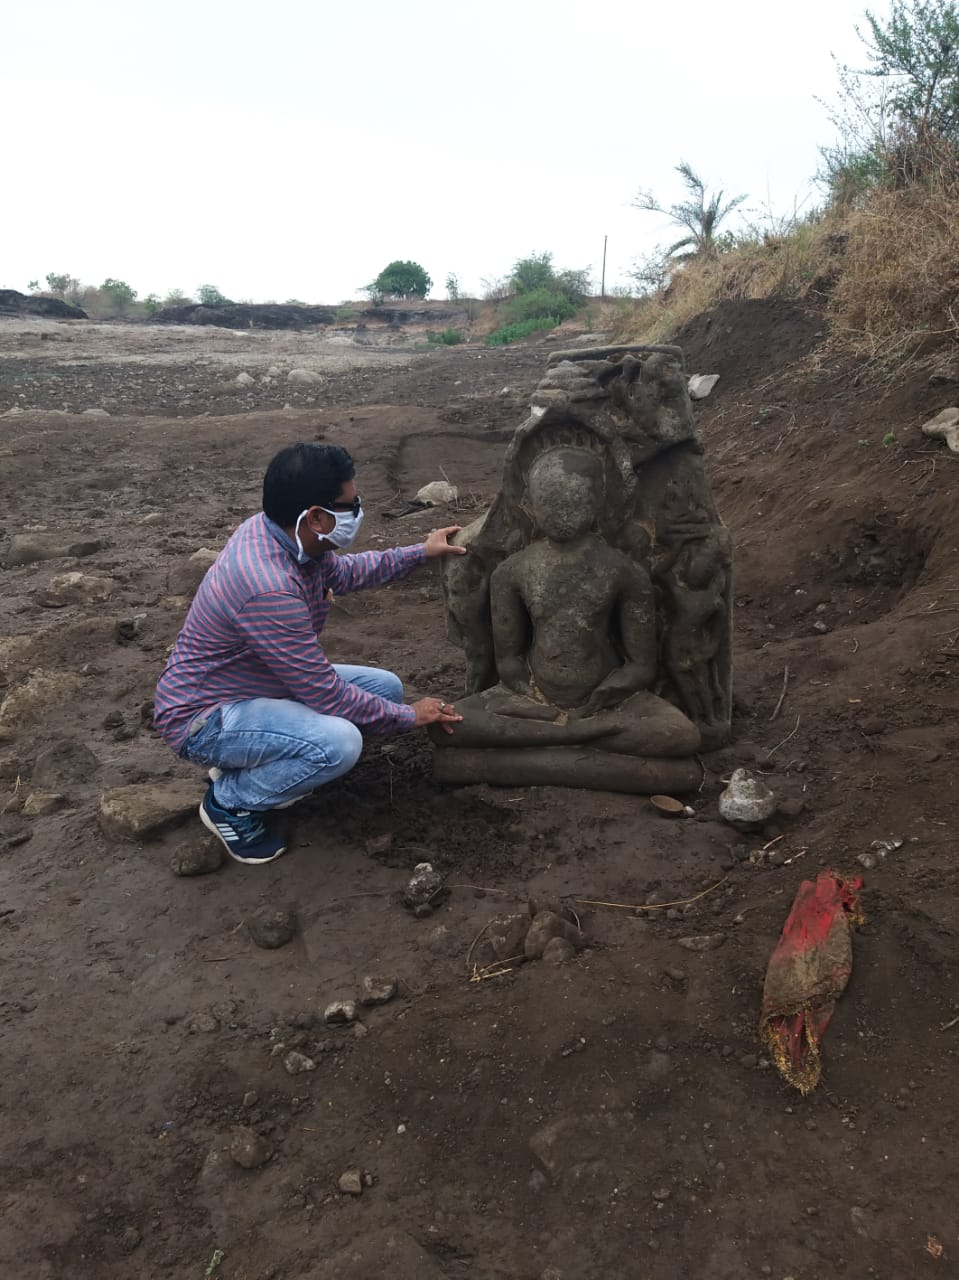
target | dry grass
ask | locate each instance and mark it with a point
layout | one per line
(899, 287)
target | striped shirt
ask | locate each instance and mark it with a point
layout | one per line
(252, 632)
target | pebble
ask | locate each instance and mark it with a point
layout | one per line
(296, 1063)
(130, 1239)
(247, 1148)
(401, 1128)
(376, 989)
(271, 927)
(676, 975)
(339, 1013)
(350, 1183)
(820, 626)
(359, 1031)
(749, 1061)
(703, 942)
(662, 1194)
(250, 1099)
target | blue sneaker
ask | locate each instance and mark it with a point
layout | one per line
(244, 835)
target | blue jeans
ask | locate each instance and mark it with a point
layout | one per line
(273, 751)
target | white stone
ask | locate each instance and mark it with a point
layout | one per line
(437, 493)
(304, 377)
(243, 379)
(944, 426)
(700, 385)
(747, 801)
(95, 413)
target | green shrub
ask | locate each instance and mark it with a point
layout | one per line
(448, 338)
(523, 329)
(539, 303)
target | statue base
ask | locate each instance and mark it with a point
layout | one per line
(565, 767)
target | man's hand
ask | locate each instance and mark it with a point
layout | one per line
(433, 711)
(436, 544)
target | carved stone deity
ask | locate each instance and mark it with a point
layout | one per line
(593, 607)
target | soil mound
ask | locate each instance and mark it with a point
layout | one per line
(243, 315)
(14, 303)
(749, 338)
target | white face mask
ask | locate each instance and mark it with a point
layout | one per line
(342, 534)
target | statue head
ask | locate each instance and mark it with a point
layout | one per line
(566, 490)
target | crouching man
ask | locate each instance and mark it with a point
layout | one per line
(247, 691)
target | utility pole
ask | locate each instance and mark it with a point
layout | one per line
(602, 287)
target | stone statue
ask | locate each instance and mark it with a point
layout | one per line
(593, 607)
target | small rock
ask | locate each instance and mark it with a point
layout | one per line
(350, 1183)
(749, 1060)
(549, 902)
(243, 379)
(247, 1148)
(867, 860)
(304, 377)
(747, 802)
(112, 720)
(677, 975)
(75, 588)
(700, 385)
(359, 1031)
(198, 858)
(378, 846)
(506, 934)
(424, 887)
(95, 413)
(86, 547)
(339, 1013)
(944, 426)
(546, 926)
(296, 1063)
(250, 1099)
(437, 493)
(820, 627)
(703, 942)
(375, 989)
(872, 725)
(662, 1194)
(271, 927)
(31, 548)
(144, 811)
(558, 950)
(39, 803)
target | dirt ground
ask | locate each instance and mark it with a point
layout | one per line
(612, 1117)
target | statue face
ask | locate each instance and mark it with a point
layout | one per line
(566, 493)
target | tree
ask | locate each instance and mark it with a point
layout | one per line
(700, 215)
(177, 298)
(118, 294)
(453, 288)
(401, 280)
(210, 296)
(534, 272)
(916, 51)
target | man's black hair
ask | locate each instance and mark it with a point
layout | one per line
(302, 476)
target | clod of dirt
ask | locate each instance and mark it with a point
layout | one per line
(350, 1183)
(197, 858)
(31, 548)
(40, 803)
(65, 761)
(506, 936)
(747, 802)
(296, 1063)
(271, 927)
(75, 588)
(546, 926)
(375, 989)
(130, 1240)
(558, 951)
(247, 1148)
(339, 1013)
(146, 810)
(187, 574)
(424, 887)
(703, 942)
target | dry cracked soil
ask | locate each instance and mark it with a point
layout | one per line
(613, 1116)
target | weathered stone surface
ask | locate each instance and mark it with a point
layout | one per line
(700, 385)
(64, 761)
(437, 493)
(506, 935)
(197, 858)
(244, 379)
(144, 811)
(247, 1148)
(296, 1064)
(75, 588)
(703, 942)
(271, 927)
(604, 520)
(340, 1013)
(558, 950)
(304, 377)
(747, 802)
(350, 1183)
(944, 426)
(376, 989)
(31, 548)
(40, 803)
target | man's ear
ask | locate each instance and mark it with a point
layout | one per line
(320, 521)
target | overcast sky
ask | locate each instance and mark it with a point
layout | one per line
(293, 148)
